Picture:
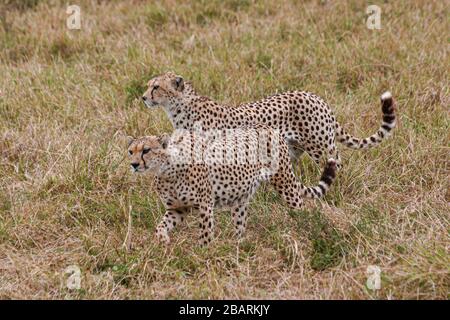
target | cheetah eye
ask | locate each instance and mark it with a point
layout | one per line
(130, 152)
(146, 150)
(155, 87)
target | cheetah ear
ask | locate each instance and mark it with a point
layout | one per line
(130, 139)
(178, 83)
(164, 140)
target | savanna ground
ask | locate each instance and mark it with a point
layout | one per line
(69, 97)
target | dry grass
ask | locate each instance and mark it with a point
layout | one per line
(69, 97)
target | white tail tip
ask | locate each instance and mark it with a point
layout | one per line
(385, 96)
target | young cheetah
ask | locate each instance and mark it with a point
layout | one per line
(223, 172)
(304, 119)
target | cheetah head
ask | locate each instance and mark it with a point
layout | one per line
(148, 153)
(163, 90)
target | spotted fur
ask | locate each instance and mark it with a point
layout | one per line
(211, 183)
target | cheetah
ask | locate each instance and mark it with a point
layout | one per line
(305, 120)
(223, 172)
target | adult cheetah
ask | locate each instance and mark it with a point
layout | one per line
(305, 120)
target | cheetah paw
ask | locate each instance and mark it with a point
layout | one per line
(162, 237)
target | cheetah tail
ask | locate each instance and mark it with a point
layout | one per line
(388, 108)
(325, 182)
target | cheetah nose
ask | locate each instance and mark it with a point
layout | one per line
(144, 98)
(135, 165)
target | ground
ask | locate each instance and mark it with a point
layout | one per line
(70, 97)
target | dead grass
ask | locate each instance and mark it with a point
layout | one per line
(67, 99)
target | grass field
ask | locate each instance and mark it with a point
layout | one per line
(68, 99)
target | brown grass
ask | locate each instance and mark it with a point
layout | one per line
(67, 99)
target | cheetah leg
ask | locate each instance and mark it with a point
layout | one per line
(206, 224)
(240, 219)
(171, 219)
(286, 184)
(316, 155)
(289, 188)
(291, 195)
(295, 152)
